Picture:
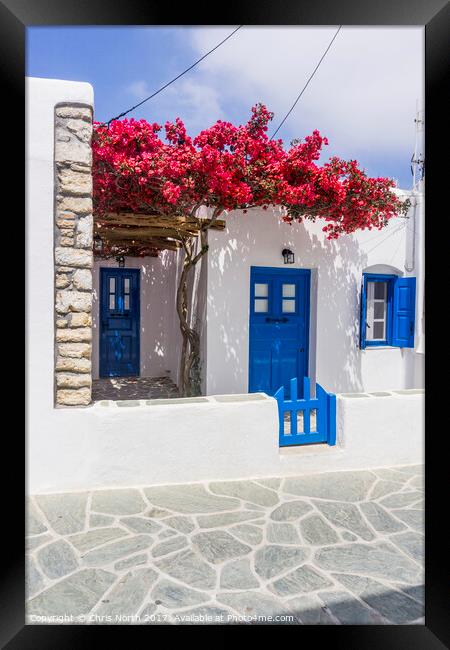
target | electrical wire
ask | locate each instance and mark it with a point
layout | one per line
(383, 240)
(174, 79)
(382, 233)
(400, 241)
(306, 84)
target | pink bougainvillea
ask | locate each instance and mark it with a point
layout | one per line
(232, 167)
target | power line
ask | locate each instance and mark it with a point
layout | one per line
(394, 232)
(382, 232)
(400, 241)
(172, 80)
(306, 84)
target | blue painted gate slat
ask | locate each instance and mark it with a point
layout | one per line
(324, 405)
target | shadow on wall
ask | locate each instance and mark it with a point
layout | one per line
(334, 327)
(338, 356)
(158, 342)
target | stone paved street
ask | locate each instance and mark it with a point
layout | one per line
(329, 549)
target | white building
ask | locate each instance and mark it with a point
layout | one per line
(261, 321)
(255, 240)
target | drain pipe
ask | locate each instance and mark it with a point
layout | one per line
(414, 262)
(410, 267)
(420, 349)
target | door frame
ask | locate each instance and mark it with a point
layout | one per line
(101, 363)
(276, 270)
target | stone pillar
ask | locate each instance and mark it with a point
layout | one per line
(73, 239)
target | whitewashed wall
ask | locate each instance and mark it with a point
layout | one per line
(257, 239)
(160, 335)
(214, 438)
(45, 424)
(98, 446)
(42, 95)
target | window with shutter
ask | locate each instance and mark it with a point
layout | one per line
(387, 311)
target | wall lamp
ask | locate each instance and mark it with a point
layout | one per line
(120, 261)
(288, 256)
(98, 243)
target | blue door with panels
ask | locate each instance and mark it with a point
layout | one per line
(119, 322)
(279, 328)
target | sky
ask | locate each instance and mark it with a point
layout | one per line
(363, 97)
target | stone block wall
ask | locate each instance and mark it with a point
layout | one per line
(73, 239)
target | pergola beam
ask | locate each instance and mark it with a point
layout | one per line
(124, 219)
(146, 231)
(148, 240)
(160, 232)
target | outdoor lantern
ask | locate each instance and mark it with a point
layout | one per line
(98, 243)
(288, 256)
(120, 261)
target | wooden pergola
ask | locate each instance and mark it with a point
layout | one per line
(138, 234)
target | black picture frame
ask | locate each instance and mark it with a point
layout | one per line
(15, 16)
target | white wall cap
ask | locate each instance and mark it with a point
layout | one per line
(71, 91)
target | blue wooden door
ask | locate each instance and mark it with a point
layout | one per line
(279, 328)
(119, 322)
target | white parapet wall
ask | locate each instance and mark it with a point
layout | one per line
(148, 442)
(224, 437)
(379, 429)
(386, 427)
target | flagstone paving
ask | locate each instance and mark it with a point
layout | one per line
(337, 548)
(124, 388)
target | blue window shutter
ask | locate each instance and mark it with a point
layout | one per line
(404, 312)
(362, 320)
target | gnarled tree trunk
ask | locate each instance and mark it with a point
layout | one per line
(189, 381)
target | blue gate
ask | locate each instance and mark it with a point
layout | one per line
(307, 420)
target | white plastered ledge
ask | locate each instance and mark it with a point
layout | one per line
(223, 437)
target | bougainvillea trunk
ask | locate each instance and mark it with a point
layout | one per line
(189, 374)
(190, 341)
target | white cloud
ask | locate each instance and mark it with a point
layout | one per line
(363, 97)
(139, 89)
(197, 103)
